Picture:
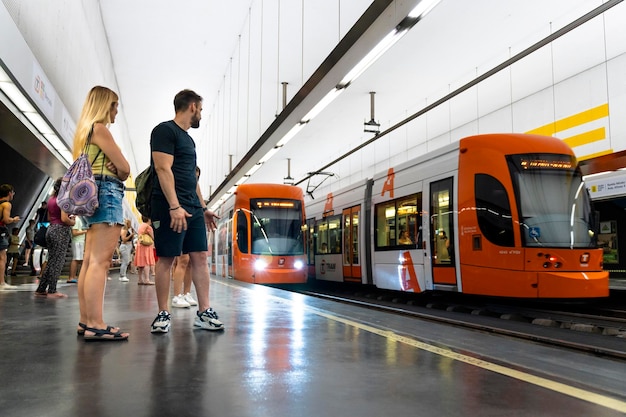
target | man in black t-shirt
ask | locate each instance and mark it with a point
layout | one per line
(42, 215)
(179, 215)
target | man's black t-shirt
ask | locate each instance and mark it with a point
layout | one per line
(169, 138)
(42, 214)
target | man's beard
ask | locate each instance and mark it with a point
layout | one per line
(195, 122)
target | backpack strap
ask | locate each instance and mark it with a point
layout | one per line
(87, 143)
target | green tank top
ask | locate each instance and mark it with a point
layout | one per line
(98, 166)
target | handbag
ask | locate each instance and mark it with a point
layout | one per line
(78, 193)
(145, 239)
(40, 236)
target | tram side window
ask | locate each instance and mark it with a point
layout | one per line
(329, 235)
(398, 223)
(493, 210)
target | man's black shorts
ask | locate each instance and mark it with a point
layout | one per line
(168, 243)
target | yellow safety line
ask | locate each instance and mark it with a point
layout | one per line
(581, 394)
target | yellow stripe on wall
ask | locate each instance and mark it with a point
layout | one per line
(572, 121)
(594, 155)
(585, 138)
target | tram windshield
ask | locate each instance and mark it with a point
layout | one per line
(553, 203)
(277, 227)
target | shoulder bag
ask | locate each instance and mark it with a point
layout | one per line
(78, 193)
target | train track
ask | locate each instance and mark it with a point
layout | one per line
(596, 327)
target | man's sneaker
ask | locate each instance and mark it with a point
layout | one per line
(162, 323)
(208, 320)
(124, 279)
(189, 298)
(180, 302)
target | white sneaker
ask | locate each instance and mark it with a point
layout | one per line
(161, 323)
(208, 320)
(124, 279)
(26, 264)
(179, 302)
(109, 278)
(7, 287)
(189, 298)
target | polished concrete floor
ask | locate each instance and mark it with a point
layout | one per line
(282, 355)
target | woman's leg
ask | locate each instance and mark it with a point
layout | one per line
(187, 281)
(14, 261)
(140, 270)
(3, 264)
(62, 237)
(101, 243)
(179, 273)
(26, 256)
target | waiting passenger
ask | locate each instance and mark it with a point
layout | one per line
(144, 252)
(78, 248)
(99, 111)
(13, 252)
(179, 213)
(58, 239)
(6, 196)
(29, 242)
(126, 248)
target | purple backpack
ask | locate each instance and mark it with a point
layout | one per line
(78, 193)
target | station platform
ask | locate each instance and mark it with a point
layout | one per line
(282, 354)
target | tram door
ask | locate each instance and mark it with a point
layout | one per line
(351, 258)
(442, 230)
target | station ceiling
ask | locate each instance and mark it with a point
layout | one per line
(158, 45)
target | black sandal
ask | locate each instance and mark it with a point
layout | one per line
(104, 334)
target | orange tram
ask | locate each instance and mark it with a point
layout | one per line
(259, 237)
(503, 215)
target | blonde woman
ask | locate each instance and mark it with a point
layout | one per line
(104, 227)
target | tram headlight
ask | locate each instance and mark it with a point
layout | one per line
(260, 265)
(298, 264)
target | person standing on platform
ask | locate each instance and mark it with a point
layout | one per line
(13, 252)
(42, 215)
(29, 243)
(58, 239)
(6, 196)
(104, 226)
(78, 248)
(144, 253)
(179, 214)
(182, 283)
(126, 249)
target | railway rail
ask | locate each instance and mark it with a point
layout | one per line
(597, 327)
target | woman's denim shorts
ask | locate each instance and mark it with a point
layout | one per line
(110, 195)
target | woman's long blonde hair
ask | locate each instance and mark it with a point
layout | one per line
(97, 109)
